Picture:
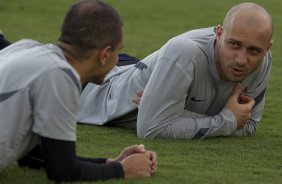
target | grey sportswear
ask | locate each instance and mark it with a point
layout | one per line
(183, 97)
(39, 91)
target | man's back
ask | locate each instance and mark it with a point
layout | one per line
(25, 68)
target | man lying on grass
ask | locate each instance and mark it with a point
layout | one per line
(204, 83)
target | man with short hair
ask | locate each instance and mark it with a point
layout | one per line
(207, 82)
(39, 89)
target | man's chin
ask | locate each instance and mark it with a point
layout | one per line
(236, 79)
(98, 81)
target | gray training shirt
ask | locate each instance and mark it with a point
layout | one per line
(39, 91)
(183, 97)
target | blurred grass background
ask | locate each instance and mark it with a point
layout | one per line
(148, 24)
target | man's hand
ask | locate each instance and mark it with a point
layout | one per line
(137, 165)
(128, 151)
(240, 105)
(136, 99)
(146, 161)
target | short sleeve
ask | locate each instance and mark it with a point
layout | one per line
(55, 95)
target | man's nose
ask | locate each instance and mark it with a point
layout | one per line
(241, 57)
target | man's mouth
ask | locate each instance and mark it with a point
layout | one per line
(238, 71)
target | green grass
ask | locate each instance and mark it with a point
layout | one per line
(148, 24)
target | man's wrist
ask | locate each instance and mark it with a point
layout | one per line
(109, 160)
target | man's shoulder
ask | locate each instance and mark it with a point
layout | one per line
(24, 44)
(16, 48)
(201, 33)
(194, 42)
(194, 37)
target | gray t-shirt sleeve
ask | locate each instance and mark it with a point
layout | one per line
(162, 114)
(55, 96)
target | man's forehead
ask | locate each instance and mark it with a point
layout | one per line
(248, 36)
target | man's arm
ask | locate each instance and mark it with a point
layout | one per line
(62, 164)
(252, 123)
(54, 105)
(183, 124)
(161, 110)
(54, 96)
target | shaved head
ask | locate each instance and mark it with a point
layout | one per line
(249, 15)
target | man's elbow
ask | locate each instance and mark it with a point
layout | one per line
(146, 130)
(60, 175)
(141, 133)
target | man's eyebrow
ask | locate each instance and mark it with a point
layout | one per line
(250, 47)
(233, 40)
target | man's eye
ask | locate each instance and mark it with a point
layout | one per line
(234, 44)
(255, 51)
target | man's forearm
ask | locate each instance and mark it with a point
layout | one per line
(62, 164)
(189, 125)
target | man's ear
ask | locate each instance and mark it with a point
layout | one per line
(218, 31)
(270, 45)
(104, 55)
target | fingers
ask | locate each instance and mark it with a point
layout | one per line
(240, 104)
(237, 91)
(139, 148)
(137, 165)
(244, 99)
(136, 99)
(152, 161)
(135, 149)
(146, 158)
(241, 98)
(139, 93)
(247, 101)
(153, 158)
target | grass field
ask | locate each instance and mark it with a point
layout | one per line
(148, 24)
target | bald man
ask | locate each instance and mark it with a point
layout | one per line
(204, 83)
